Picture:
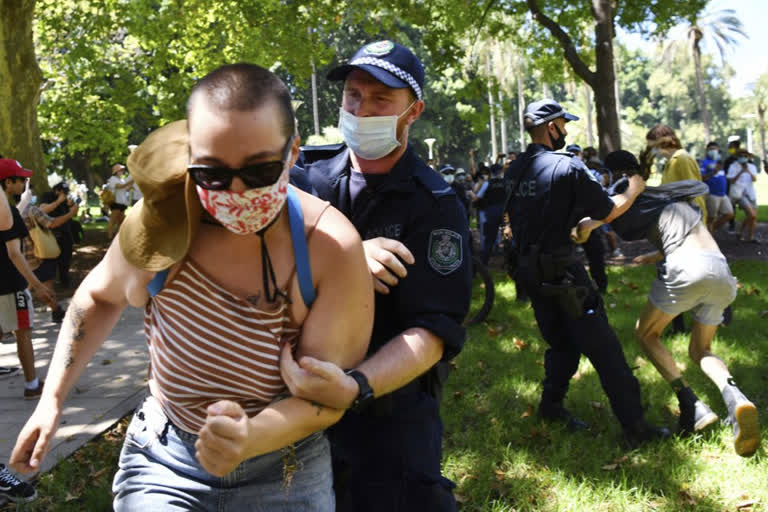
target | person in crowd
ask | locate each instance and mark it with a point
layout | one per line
(489, 201)
(591, 158)
(121, 186)
(387, 448)
(741, 176)
(718, 204)
(575, 150)
(734, 145)
(694, 277)
(44, 269)
(56, 203)
(663, 143)
(16, 308)
(550, 192)
(231, 264)
(451, 177)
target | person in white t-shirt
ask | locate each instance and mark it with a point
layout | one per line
(741, 177)
(121, 186)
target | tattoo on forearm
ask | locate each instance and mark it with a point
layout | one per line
(76, 316)
(76, 320)
(319, 407)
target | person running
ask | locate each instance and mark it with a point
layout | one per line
(218, 254)
(695, 277)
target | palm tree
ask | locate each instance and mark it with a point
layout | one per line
(719, 28)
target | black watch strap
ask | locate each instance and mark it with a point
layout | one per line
(365, 395)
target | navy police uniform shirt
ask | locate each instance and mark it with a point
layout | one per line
(414, 205)
(554, 191)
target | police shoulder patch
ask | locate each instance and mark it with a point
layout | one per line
(445, 251)
(379, 48)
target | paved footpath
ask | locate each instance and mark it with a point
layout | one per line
(109, 388)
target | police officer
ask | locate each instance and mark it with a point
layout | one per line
(490, 206)
(550, 193)
(387, 448)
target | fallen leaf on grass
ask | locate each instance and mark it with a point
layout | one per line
(764, 313)
(500, 475)
(746, 504)
(528, 411)
(99, 473)
(519, 344)
(70, 497)
(494, 331)
(576, 376)
(632, 286)
(494, 421)
(459, 498)
(609, 467)
(597, 405)
(457, 395)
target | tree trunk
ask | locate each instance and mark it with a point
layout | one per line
(521, 107)
(602, 80)
(700, 91)
(315, 116)
(590, 116)
(761, 116)
(502, 122)
(608, 132)
(20, 80)
(494, 150)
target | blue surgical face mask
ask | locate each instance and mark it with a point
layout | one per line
(448, 178)
(713, 154)
(742, 160)
(371, 137)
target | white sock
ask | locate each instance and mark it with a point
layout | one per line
(32, 384)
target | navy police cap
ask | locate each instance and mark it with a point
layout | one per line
(390, 63)
(543, 111)
(573, 148)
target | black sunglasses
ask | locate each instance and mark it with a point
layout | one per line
(264, 174)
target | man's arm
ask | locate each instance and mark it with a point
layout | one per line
(93, 312)
(432, 305)
(49, 207)
(21, 264)
(622, 202)
(61, 219)
(6, 219)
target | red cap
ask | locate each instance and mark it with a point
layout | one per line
(10, 168)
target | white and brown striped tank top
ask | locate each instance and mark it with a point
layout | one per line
(206, 345)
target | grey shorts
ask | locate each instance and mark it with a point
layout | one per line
(718, 205)
(746, 202)
(697, 281)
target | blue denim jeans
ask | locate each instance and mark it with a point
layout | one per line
(159, 471)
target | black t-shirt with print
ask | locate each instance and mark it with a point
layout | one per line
(11, 281)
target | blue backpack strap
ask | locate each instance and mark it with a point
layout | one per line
(300, 251)
(157, 282)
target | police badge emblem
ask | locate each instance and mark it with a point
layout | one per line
(445, 251)
(379, 48)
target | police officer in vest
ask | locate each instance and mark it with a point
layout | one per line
(387, 447)
(550, 193)
(490, 206)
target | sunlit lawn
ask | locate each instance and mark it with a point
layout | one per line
(504, 458)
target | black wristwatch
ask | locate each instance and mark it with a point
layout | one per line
(365, 395)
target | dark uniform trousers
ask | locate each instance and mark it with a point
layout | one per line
(591, 335)
(494, 216)
(594, 249)
(390, 461)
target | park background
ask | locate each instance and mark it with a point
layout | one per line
(80, 81)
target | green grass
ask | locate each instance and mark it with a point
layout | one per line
(504, 458)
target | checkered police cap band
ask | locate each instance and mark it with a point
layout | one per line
(399, 73)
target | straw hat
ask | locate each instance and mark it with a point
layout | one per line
(159, 229)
